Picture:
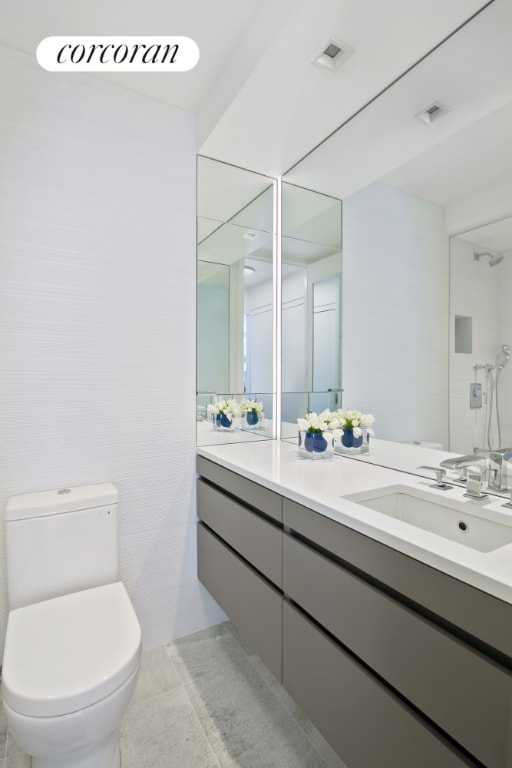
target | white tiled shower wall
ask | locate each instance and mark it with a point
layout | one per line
(97, 320)
(481, 293)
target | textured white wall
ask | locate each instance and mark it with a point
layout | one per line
(395, 313)
(97, 320)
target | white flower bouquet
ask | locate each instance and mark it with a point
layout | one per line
(317, 432)
(355, 421)
(356, 431)
(319, 423)
(223, 412)
(251, 406)
(253, 411)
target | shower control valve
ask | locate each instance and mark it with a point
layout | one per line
(475, 395)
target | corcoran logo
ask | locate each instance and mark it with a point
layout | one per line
(117, 54)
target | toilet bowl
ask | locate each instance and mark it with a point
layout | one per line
(70, 669)
(71, 661)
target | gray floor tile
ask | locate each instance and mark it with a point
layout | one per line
(3, 734)
(206, 701)
(20, 760)
(164, 732)
(312, 733)
(157, 674)
(14, 756)
(205, 652)
(239, 638)
(246, 724)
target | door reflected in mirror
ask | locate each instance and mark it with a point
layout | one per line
(235, 304)
(311, 253)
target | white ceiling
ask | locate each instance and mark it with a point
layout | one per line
(444, 174)
(259, 101)
(288, 105)
(462, 153)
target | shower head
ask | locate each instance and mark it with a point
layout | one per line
(507, 351)
(494, 258)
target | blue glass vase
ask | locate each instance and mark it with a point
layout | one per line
(313, 445)
(221, 420)
(349, 441)
(252, 418)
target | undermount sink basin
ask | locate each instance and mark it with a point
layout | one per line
(452, 519)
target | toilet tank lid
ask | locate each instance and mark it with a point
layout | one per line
(43, 503)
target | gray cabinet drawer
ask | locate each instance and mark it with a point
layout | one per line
(255, 495)
(249, 601)
(253, 537)
(479, 614)
(363, 721)
(465, 693)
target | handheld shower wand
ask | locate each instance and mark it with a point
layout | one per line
(493, 408)
(507, 351)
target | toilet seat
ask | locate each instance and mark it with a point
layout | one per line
(67, 653)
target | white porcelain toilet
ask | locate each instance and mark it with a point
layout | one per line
(73, 642)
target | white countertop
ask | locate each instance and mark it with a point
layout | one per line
(322, 485)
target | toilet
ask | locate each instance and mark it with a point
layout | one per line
(73, 641)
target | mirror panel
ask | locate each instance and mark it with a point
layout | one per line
(407, 188)
(235, 304)
(311, 266)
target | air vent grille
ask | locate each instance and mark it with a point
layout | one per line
(332, 54)
(431, 113)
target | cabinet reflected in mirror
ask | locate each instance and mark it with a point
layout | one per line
(311, 253)
(235, 304)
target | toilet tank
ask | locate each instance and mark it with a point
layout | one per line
(60, 542)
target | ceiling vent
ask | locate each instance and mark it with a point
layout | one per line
(431, 113)
(333, 54)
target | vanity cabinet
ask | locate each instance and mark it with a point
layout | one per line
(395, 662)
(239, 553)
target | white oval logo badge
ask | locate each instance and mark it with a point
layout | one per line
(117, 54)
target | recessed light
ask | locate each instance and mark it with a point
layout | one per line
(332, 54)
(431, 113)
(248, 271)
(250, 235)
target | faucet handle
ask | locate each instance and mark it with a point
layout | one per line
(475, 477)
(440, 474)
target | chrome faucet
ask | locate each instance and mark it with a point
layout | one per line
(461, 463)
(440, 475)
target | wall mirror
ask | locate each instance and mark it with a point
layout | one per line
(426, 163)
(235, 304)
(481, 339)
(311, 273)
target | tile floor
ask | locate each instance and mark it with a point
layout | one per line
(207, 701)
